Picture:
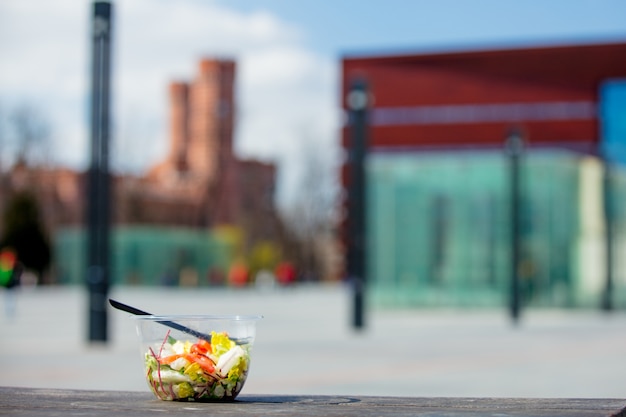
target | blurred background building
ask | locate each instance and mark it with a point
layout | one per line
(190, 218)
(438, 206)
(438, 178)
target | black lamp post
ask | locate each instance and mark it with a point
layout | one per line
(357, 102)
(515, 149)
(98, 204)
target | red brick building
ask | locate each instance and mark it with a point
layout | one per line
(199, 184)
(472, 97)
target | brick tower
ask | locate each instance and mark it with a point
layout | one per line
(210, 119)
(201, 141)
(201, 122)
(179, 127)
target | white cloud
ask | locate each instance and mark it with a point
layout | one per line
(283, 89)
(289, 98)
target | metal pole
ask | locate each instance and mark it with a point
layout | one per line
(98, 205)
(515, 147)
(357, 101)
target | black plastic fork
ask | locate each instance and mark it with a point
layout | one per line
(171, 324)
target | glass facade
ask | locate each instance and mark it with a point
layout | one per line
(149, 256)
(439, 229)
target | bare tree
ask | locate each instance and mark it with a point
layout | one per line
(3, 187)
(31, 132)
(24, 134)
(2, 143)
(312, 218)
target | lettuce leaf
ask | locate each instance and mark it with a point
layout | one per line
(221, 343)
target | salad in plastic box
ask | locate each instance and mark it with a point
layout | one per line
(200, 370)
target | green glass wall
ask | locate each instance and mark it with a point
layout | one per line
(148, 256)
(439, 230)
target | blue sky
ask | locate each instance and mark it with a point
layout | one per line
(288, 55)
(352, 26)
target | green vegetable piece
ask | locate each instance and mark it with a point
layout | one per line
(151, 361)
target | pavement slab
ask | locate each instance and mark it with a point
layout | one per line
(306, 346)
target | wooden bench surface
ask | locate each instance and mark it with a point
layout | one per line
(58, 402)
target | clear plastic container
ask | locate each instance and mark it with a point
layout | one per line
(196, 358)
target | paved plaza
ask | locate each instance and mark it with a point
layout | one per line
(305, 345)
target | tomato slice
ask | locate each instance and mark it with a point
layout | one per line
(203, 344)
(205, 363)
(202, 347)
